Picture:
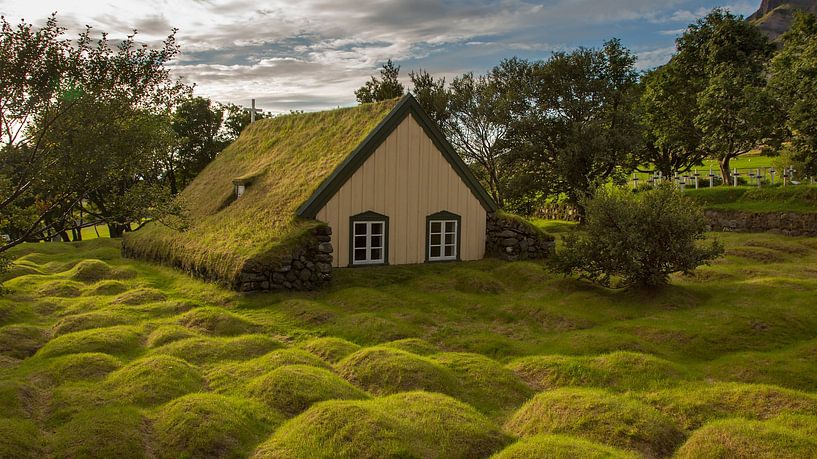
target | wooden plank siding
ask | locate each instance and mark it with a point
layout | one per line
(407, 179)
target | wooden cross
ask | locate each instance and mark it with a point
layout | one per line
(253, 111)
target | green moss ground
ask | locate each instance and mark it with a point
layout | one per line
(102, 356)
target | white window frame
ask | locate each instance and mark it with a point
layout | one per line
(443, 245)
(382, 247)
(239, 190)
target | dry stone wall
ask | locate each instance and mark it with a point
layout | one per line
(308, 267)
(787, 223)
(511, 239)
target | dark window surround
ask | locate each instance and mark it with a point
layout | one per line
(443, 215)
(368, 216)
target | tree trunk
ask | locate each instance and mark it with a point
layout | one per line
(117, 229)
(76, 233)
(726, 173)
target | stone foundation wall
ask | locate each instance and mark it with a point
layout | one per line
(558, 211)
(308, 267)
(787, 223)
(511, 239)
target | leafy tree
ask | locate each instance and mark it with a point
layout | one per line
(198, 124)
(44, 79)
(581, 126)
(671, 140)
(237, 119)
(637, 239)
(794, 81)
(432, 94)
(724, 59)
(386, 87)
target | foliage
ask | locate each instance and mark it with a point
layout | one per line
(794, 81)
(197, 122)
(640, 239)
(387, 87)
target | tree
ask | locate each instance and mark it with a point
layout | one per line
(43, 79)
(671, 140)
(794, 82)
(580, 126)
(724, 59)
(637, 239)
(237, 119)
(387, 87)
(432, 95)
(198, 124)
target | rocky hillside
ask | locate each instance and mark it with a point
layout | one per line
(775, 16)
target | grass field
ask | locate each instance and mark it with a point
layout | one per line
(798, 199)
(102, 356)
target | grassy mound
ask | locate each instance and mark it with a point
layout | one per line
(742, 438)
(521, 274)
(106, 288)
(217, 321)
(11, 404)
(167, 334)
(806, 425)
(369, 328)
(61, 289)
(414, 424)
(473, 281)
(330, 349)
(19, 439)
(599, 416)
(561, 447)
(210, 350)
(210, 425)
(307, 312)
(484, 383)
(413, 345)
(382, 370)
(153, 380)
(119, 340)
(234, 375)
(71, 398)
(618, 370)
(291, 389)
(139, 296)
(801, 199)
(79, 367)
(20, 341)
(104, 432)
(695, 404)
(89, 320)
(90, 271)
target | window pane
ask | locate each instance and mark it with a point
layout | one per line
(435, 252)
(449, 238)
(436, 227)
(450, 227)
(360, 228)
(360, 254)
(360, 241)
(377, 241)
(449, 251)
(377, 228)
(377, 254)
(435, 239)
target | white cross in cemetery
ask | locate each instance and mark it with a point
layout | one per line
(253, 111)
(711, 177)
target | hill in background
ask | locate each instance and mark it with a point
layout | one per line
(775, 17)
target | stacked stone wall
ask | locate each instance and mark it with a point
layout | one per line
(511, 239)
(787, 223)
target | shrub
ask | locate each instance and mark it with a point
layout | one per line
(561, 447)
(103, 432)
(742, 438)
(153, 380)
(210, 425)
(291, 389)
(414, 424)
(330, 349)
(19, 439)
(599, 416)
(233, 375)
(382, 370)
(217, 321)
(637, 239)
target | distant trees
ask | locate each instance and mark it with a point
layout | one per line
(794, 82)
(388, 86)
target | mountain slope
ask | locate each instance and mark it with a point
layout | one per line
(775, 17)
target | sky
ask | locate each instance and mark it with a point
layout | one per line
(312, 54)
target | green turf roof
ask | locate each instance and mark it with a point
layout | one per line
(287, 159)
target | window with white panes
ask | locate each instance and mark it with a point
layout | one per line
(368, 242)
(442, 240)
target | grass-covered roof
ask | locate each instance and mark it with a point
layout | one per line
(284, 159)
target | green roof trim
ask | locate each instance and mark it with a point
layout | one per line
(407, 105)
